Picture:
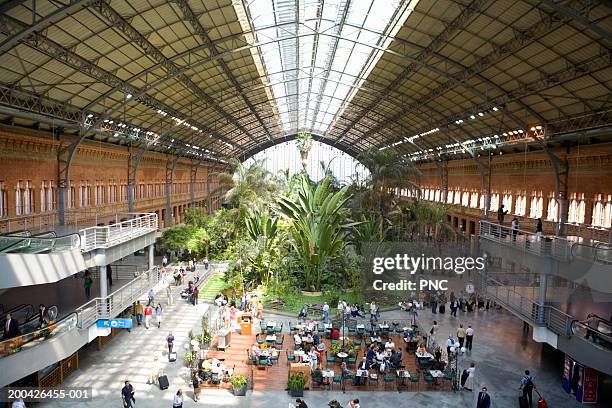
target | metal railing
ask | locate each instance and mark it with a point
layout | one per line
(598, 331)
(109, 235)
(598, 252)
(112, 305)
(556, 247)
(26, 341)
(40, 244)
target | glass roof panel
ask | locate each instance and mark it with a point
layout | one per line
(320, 40)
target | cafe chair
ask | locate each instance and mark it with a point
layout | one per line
(414, 380)
(251, 359)
(429, 380)
(357, 343)
(290, 357)
(336, 380)
(278, 329)
(373, 378)
(331, 359)
(260, 340)
(320, 328)
(352, 360)
(274, 358)
(279, 341)
(388, 379)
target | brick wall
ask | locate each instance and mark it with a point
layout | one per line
(29, 159)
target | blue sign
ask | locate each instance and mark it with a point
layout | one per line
(114, 324)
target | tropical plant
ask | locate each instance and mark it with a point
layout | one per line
(388, 171)
(261, 227)
(430, 220)
(296, 382)
(248, 186)
(318, 225)
(367, 231)
(303, 142)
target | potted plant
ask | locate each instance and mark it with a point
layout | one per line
(296, 385)
(239, 384)
(304, 144)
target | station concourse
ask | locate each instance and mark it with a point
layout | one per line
(202, 202)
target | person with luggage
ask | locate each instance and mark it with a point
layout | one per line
(148, 315)
(154, 373)
(178, 399)
(527, 386)
(170, 342)
(461, 335)
(127, 394)
(469, 337)
(484, 400)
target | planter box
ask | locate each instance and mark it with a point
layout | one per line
(240, 392)
(296, 393)
(312, 294)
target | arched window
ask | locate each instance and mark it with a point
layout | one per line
(507, 201)
(474, 199)
(553, 206)
(576, 208)
(494, 205)
(535, 209)
(520, 205)
(465, 199)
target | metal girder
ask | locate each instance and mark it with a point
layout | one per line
(38, 25)
(170, 166)
(201, 32)
(595, 64)
(440, 40)
(579, 18)
(350, 150)
(17, 98)
(193, 172)
(122, 25)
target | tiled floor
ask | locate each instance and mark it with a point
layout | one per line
(501, 352)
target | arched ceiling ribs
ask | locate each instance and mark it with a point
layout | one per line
(263, 146)
(201, 32)
(120, 24)
(426, 53)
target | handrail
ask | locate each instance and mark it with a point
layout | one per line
(28, 340)
(16, 309)
(595, 250)
(63, 242)
(108, 235)
(595, 334)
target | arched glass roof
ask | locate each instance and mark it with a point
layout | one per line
(285, 156)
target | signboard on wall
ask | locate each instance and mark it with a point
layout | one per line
(589, 392)
(567, 374)
(114, 323)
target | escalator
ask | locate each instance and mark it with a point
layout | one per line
(31, 244)
(21, 313)
(32, 323)
(596, 329)
(8, 240)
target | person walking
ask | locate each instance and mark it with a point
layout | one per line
(165, 261)
(158, 314)
(170, 342)
(195, 380)
(139, 312)
(178, 399)
(538, 230)
(484, 400)
(434, 303)
(325, 313)
(87, 282)
(109, 275)
(148, 314)
(515, 228)
(501, 213)
(127, 394)
(469, 337)
(433, 332)
(470, 380)
(195, 294)
(151, 296)
(527, 386)
(154, 373)
(461, 335)
(206, 264)
(169, 294)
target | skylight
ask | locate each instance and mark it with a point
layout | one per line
(326, 50)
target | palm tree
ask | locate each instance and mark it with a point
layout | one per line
(430, 220)
(248, 187)
(388, 171)
(304, 144)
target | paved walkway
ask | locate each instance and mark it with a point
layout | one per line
(501, 352)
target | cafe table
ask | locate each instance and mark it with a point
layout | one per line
(342, 355)
(402, 375)
(327, 376)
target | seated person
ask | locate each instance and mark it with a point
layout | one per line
(321, 347)
(363, 365)
(380, 356)
(346, 373)
(396, 359)
(421, 348)
(310, 326)
(255, 349)
(354, 310)
(375, 338)
(297, 339)
(303, 312)
(389, 345)
(317, 375)
(316, 339)
(371, 354)
(206, 365)
(438, 355)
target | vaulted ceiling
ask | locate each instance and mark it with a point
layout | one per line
(217, 78)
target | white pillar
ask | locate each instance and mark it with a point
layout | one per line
(151, 253)
(103, 282)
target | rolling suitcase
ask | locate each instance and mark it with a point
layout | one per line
(523, 402)
(163, 382)
(442, 309)
(172, 356)
(541, 401)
